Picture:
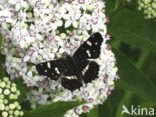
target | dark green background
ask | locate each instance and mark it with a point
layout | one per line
(133, 42)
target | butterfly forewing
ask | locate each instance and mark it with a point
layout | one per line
(90, 49)
(51, 69)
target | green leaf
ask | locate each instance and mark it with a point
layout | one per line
(125, 101)
(144, 61)
(133, 79)
(83, 115)
(1, 41)
(22, 87)
(2, 71)
(115, 100)
(109, 107)
(131, 28)
(93, 113)
(57, 109)
(152, 68)
(111, 6)
(105, 110)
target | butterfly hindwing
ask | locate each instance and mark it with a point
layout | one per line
(71, 84)
(90, 49)
(90, 72)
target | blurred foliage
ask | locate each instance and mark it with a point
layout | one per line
(23, 89)
(134, 44)
(57, 109)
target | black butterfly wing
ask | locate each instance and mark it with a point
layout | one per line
(90, 49)
(90, 72)
(52, 69)
(87, 70)
(71, 84)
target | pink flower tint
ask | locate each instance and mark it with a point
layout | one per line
(54, 2)
(91, 100)
(29, 67)
(31, 88)
(86, 94)
(103, 10)
(68, 44)
(14, 13)
(17, 75)
(86, 108)
(47, 82)
(32, 33)
(67, 1)
(108, 47)
(116, 77)
(71, 34)
(7, 36)
(109, 92)
(3, 66)
(30, 52)
(50, 37)
(39, 4)
(2, 19)
(18, 49)
(77, 110)
(101, 90)
(105, 79)
(17, 55)
(95, 106)
(81, 1)
(94, 20)
(5, 44)
(107, 36)
(81, 42)
(107, 20)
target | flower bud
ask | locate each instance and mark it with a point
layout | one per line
(13, 89)
(16, 113)
(2, 107)
(6, 92)
(4, 114)
(2, 84)
(12, 106)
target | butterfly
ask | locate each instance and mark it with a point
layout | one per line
(75, 70)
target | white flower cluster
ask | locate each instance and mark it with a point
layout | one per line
(9, 107)
(41, 30)
(148, 7)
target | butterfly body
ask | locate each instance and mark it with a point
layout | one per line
(77, 69)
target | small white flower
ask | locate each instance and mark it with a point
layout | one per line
(72, 17)
(4, 114)
(2, 106)
(2, 84)
(63, 35)
(1, 90)
(6, 92)
(12, 106)
(13, 89)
